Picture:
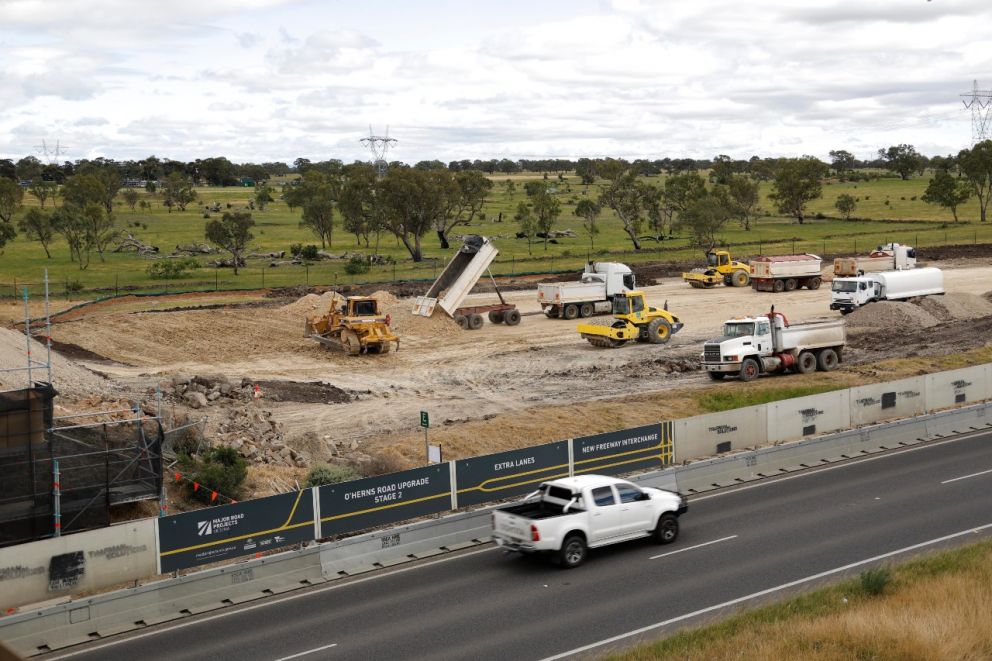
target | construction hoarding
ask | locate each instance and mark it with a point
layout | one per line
(375, 501)
(612, 453)
(495, 476)
(957, 387)
(713, 433)
(878, 402)
(800, 417)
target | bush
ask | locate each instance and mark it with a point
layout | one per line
(310, 252)
(874, 581)
(321, 474)
(296, 249)
(73, 286)
(172, 268)
(357, 264)
(219, 469)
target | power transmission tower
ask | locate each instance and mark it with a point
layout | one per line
(51, 154)
(379, 146)
(980, 103)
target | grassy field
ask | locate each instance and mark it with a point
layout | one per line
(932, 608)
(890, 210)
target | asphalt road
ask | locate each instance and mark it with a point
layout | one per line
(486, 605)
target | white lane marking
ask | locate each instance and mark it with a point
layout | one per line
(775, 479)
(86, 649)
(316, 649)
(965, 477)
(697, 546)
(755, 595)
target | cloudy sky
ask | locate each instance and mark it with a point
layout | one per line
(260, 80)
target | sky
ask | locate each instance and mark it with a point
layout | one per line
(267, 80)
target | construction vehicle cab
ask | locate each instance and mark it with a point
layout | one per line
(633, 319)
(355, 327)
(720, 268)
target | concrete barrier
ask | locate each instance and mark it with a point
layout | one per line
(713, 433)
(801, 417)
(878, 402)
(80, 562)
(957, 387)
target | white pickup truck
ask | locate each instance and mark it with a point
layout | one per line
(568, 516)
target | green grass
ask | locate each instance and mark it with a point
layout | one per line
(904, 220)
(727, 399)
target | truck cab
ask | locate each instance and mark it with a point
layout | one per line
(850, 293)
(747, 336)
(618, 278)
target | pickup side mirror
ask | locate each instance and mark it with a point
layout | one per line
(644, 496)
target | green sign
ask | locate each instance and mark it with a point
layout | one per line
(425, 421)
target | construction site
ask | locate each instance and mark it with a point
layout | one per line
(245, 370)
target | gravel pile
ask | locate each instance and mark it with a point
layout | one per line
(951, 307)
(71, 379)
(891, 315)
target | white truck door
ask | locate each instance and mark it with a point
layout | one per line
(636, 508)
(605, 517)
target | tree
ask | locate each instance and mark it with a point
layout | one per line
(10, 199)
(704, 217)
(414, 201)
(586, 169)
(976, 167)
(682, 189)
(43, 190)
(527, 223)
(7, 234)
(231, 233)
(318, 216)
(131, 198)
(99, 228)
(846, 204)
(177, 191)
(361, 212)
(510, 187)
(37, 225)
(797, 182)
(656, 209)
(841, 160)
(589, 211)
(466, 195)
(70, 222)
(29, 168)
(625, 196)
(947, 191)
(82, 189)
(903, 159)
(547, 208)
(742, 199)
(263, 195)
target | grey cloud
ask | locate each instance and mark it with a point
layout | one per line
(249, 39)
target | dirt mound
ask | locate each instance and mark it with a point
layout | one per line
(959, 306)
(891, 315)
(71, 379)
(385, 298)
(311, 305)
(987, 296)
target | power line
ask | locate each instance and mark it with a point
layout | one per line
(379, 146)
(980, 104)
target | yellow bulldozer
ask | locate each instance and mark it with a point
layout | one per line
(356, 326)
(720, 268)
(633, 319)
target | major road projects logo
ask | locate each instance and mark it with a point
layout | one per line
(204, 528)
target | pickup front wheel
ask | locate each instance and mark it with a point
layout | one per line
(667, 529)
(573, 552)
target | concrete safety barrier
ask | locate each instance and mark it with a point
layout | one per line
(801, 417)
(957, 387)
(890, 400)
(713, 433)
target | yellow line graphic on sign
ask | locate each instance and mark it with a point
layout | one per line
(482, 485)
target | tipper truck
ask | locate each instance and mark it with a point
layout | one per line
(592, 294)
(456, 281)
(785, 272)
(890, 257)
(848, 294)
(566, 517)
(751, 346)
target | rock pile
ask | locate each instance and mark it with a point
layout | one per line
(199, 392)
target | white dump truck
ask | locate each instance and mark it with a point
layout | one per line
(566, 517)
(455, 283)
(785, 272)
(890, 257)
(592, 294)
(751, 346)
(848, 294)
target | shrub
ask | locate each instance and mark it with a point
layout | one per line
(73, 286)
(310, 252)
(172, 268)
(874, 581)
(296, 249)
(206, 215)
(219, 469)
(321, 474)
(357, 264)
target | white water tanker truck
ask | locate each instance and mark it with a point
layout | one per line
(848, 294)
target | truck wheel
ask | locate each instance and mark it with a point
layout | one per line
(659, 331)
(778, 286)
(495, 317)
(740, 278)
(511, 317)
(586, 310)
(827, 360)
(551, 313)
(791, 284)
(717, 376)
(475, 321)
(750, 369)
(667, 529)
(573, 552)
(571, 311)
(462, 321)
(814, 283)
(806, 363)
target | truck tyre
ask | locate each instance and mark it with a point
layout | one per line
(813, 283)
(827, 360)
(551, 312)
(791, 284)
(511, 317)
(586, 310)
(806, 363)
(573, 552)
(717, 376)
(750, 370)
(495, 317)
(659, 331)
(667, 530)
(462, 321)
(778, 286)
(475, 321)
(571, 311)
(740, 278)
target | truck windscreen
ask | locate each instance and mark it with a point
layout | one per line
(845, 285)
(738, 329)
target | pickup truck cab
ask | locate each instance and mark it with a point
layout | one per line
(568, 516)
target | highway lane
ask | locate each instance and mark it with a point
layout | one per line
(486, 605)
